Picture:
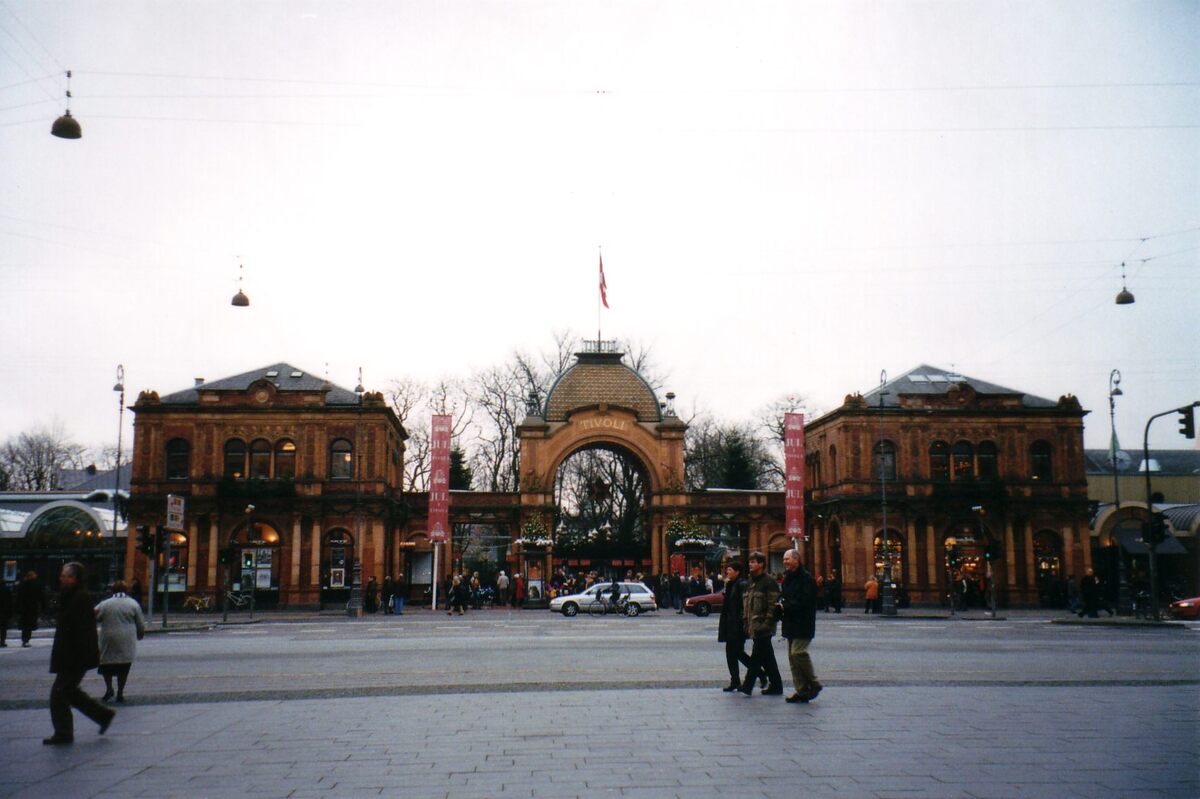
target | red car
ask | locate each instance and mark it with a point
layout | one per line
(704, 604)
(1186, 608)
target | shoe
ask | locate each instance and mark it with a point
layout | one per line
(58, 740)
(25, 644)
(812, 690)
(762, 682)
(796, 697)
(733, 686)
(104, 724)
(120, 697)
(774, 690)
(107, 696)
(747, 689)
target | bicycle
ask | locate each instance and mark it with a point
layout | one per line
(198, 603)
(237, 600)
(622, 606)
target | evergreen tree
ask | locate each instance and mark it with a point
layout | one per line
(460, 472)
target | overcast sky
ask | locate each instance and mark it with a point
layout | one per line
(790, 197)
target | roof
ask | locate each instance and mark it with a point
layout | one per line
(931, 380)
(285, 377)
(601, 378)
(92, 479)
(1169, 461)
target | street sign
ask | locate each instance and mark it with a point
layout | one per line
(174, 513)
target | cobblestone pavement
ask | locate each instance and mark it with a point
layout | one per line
(508, 704)
(654, 743)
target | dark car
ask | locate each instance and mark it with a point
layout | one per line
(705, 603)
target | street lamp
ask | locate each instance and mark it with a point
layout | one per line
(888, 595)
(991, 583)
(240, 300)
(354, 606)
(66, 126)
(116, 497)
(951, 553)
(1124, 605)
(1124, 296)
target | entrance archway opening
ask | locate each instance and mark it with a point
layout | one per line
(256, 567)
(967, 565)
(889, 551)
(1048, 565)
(601, 493)
(337, 566)
(66, 533)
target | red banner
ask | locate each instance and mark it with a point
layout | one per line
(439, 479)
(793, 457)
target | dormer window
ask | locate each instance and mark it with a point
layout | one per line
(273, 373)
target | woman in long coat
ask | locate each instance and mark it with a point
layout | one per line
(29, 606)
(121, 627)
(731, 629)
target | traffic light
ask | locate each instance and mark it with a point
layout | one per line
(145, 541)
(991, 551)
(1187, 422)
(1155, 530)
(225, 556)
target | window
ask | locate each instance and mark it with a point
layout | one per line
(341, 460)
(833, 465)
(285, 459)
(235, 458)
(964, 460)
(987, 461)
(885, 461)
(179, 454)
(939, 460)
(1039, 456)
(260, 459)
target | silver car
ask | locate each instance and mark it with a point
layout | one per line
(637, 599)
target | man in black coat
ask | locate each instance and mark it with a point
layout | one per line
(731, 629)
(799, 600)
(76, 649)
(6, 606)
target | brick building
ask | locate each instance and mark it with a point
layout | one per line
(291, 478)
(946, 457)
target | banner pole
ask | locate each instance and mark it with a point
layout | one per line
(433, 596)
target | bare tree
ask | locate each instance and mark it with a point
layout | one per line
(770, 420)
(414, 402)
(34, 460)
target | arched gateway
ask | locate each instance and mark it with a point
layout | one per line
(600, 402)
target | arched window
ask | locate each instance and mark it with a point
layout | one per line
(885, 461)
(341, 460)
(1039, 461)
(986, 456)
(260, 459)
(964, 460)
(179, 456)
(833, 478)
(285, 459)
(939, 460)
(235, 458)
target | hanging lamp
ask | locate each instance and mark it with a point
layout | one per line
(66, 126)
(240, 300)
(1125, 296)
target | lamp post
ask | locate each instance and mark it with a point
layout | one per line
(251, 539)
(116, 497)
(1124, 605)
(991, 583)
(951, 552)
(887, 595)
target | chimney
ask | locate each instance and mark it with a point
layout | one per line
(199, 381)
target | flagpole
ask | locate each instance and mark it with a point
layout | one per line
(599, 297)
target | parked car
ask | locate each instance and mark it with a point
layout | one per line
(641, 599)
(705, 603)
(1186, 608)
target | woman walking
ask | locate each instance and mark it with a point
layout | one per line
(121, 627)
(458, 596)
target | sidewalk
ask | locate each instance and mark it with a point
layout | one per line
(949, 742)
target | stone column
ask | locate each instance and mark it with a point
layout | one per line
(294, 578)
(314, 568)
(214, 546)
(193, 534)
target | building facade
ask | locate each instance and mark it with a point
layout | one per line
(288, 483)
(942, 476)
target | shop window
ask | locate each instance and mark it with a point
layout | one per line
(235, 458)
(260, 459)
(341, 460)
(1039, 457)
(939, 460)
(963, 460)
(885, 461)
(179, 456)
(986, 459)
(285, 459)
